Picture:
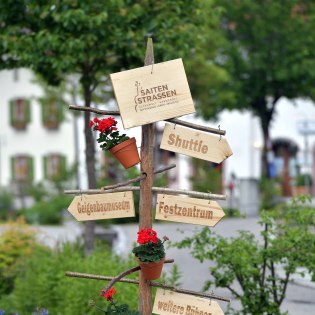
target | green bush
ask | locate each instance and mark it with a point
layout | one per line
(270, 191)
(17, 243)
(48, 211)
(302, 179)
(288, 241)
(232, 213)
(42, 282)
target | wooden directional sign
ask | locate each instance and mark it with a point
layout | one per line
(169, 302)
(102, 206)
(188, 210)
(192, 142)
(152, 93)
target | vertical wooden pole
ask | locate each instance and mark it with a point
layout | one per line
(145, 215)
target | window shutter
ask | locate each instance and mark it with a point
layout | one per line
(60, 112)
(30, 169)
(45, 163)
(63, 165)
(11, 104)
(13, 175)
(27, 111)
(44, 112)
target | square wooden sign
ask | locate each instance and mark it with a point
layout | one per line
(152, 93)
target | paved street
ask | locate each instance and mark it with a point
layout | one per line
(300, 298)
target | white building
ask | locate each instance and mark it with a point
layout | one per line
(36, 141)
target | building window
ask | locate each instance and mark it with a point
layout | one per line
(54, 165)
(52, 114)
(22, 168)
(20, 113)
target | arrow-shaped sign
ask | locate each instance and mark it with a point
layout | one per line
(188, 210)
(102, 206)
(192, 142)
(168, 302)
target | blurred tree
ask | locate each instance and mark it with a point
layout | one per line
(269, 53)
(95, 38)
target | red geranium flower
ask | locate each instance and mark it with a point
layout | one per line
(146, 236)
(109, 294)
(109, 134)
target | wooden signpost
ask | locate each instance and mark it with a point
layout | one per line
(199, 144)
(152, 93)
(169, 302)
(102, 206)
(188, 210)
(146, 95)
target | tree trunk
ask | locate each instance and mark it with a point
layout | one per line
(265, 116)
(89, 233)
(265, 158)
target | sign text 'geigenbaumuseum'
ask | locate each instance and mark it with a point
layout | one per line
(102, 206)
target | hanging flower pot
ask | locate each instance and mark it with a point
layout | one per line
(121, 146)
(126, 152)
(151, 270)
(150, 253)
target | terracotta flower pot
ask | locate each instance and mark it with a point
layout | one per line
(151, 270)
(126, 152)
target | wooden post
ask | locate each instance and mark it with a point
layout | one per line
(145, 215)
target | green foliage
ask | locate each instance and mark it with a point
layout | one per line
(111, 140)
(288, 243)
(270, 191)
(49, 211)
(97, 38)
(150, 252)
(109, 135)
(37, 191)
(115, 308)
(302, 179)
(174, 277)
(17, 243)
(233, 213)
(42, 282)
(206, 177)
